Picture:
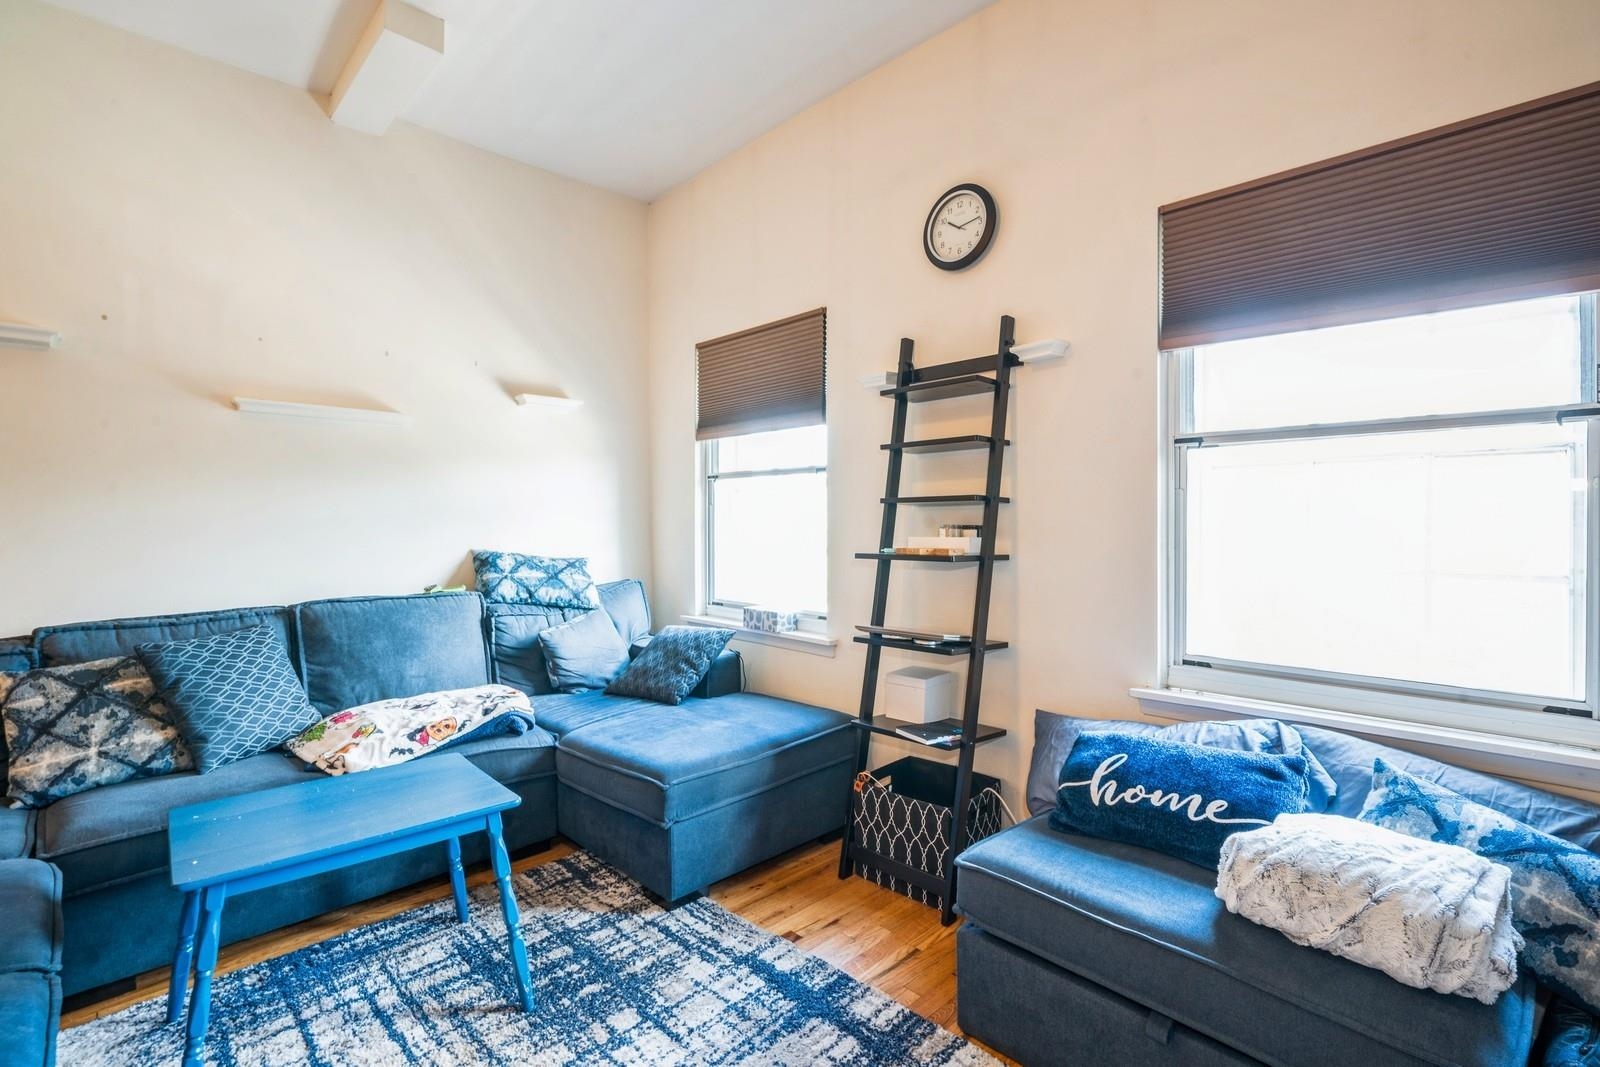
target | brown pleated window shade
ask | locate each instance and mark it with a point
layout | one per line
(767, 378)
(1495, 208)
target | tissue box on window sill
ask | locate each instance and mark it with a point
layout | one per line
(770, 620)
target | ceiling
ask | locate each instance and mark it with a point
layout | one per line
(630, 95)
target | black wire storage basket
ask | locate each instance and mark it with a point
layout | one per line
(897, 814)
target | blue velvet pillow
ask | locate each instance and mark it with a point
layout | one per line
(586, 653)
(672, 664)
(1570, 1037)
(548, 581)
(234, 695)
(1172, 796)
(1555, 884)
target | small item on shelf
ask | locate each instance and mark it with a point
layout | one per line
(910, 550)
(919, 636)
(771, 620)
(936, 734)
(958, 546)
(919, 694)
(962, 529)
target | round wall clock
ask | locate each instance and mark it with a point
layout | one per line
(960, 227)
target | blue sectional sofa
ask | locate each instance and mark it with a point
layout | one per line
(677, 797)
(30, 962)
(1079, 950)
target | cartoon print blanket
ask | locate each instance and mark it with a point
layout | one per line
(1432, 916)
(387, 732)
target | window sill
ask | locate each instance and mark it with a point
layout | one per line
(1568, 766)
(796, 640)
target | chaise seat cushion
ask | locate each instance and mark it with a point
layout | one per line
(119, 832)
(30, 895)
(562, 713)
(665, 763)
(1149, 927)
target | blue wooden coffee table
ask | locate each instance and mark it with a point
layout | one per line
(262, 839)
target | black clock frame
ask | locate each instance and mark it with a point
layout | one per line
(991, 211)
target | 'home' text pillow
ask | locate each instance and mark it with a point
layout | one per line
(1174, 797)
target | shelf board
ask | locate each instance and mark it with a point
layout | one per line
(915, 558)
(323, 412)
(951, 648)
(968, 443)
(943, 388)
(959, 498)
(883, 724)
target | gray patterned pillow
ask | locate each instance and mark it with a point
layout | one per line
(548, 581)
(69, 729)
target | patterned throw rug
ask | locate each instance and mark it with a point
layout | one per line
(619, 980)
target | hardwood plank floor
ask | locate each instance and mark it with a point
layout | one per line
(887, 941)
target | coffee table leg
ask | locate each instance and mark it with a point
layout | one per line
(458, 878)
(184, 958)
(508, 903)
(200, 1004)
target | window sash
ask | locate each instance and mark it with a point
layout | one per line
(1355, 692)
(708, 461)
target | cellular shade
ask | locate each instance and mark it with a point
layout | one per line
(766, 378)
(1498, 207)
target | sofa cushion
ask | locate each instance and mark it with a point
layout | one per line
(30, 1005)
(1350, 759)
(514, 631)
(118, 833)
(674, 662)
(725, 676)
(357, 650)
(664, 763)
(16, 832)
(1149, 927)
(16, 654)
(84, 641)
(235, 695)
(562, 713)
(628, 607)
(30, 900)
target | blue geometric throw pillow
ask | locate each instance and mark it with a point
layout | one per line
(75, 728)
(1555, 884)
(547, 581)
(1172, 796)
(235, 694)
(672, 664)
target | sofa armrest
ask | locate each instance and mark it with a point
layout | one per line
(725, 676)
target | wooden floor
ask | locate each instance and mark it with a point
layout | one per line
(884, 940)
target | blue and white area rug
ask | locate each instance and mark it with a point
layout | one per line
(619, 980)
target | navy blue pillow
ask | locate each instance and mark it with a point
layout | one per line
(1171, 796)
(234, 695)
(586, 653)
(672, 664)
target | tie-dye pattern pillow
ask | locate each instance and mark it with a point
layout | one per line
(546, 581)
(74, 728)
(1555, 884)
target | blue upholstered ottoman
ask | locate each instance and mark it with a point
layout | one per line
(30, 963)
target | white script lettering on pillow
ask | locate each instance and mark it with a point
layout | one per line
(1103, 793)
(387, 732)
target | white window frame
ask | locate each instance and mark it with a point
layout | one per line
(1450, 707)
(813, 624)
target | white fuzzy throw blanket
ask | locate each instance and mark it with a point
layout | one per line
(1430, 915)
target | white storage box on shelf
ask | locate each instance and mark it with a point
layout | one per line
(919, 694)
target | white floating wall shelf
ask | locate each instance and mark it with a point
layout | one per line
(32, 337)
(546, 400)
(1032, 352)
(321, 412)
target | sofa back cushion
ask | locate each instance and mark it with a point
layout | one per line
(16, 655)
(357, 650)
(82, 642)
(1349, 759)
(514, 632)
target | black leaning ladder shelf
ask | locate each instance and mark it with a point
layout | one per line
(968, 377)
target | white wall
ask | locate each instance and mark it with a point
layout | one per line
(1081, 117)
(197, 233)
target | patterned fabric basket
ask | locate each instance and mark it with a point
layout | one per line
(902, 812)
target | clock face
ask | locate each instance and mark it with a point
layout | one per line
(960, 227)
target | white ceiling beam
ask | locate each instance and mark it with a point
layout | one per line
(395, 56)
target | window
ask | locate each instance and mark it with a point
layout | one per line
(767, 520)
(1405, 506)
